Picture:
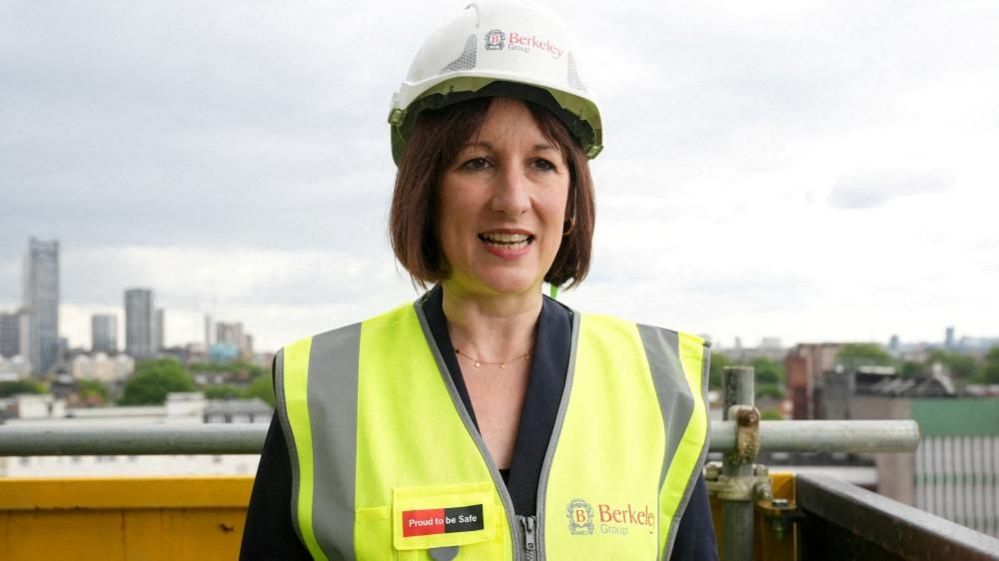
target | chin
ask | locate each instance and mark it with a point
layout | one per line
(507, 283)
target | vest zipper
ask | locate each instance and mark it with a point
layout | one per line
(529, 526)
(546, 465)
(518, 524)
(515, 528)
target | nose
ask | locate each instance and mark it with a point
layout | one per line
(511, 192)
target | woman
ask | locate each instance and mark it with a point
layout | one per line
(485, 421)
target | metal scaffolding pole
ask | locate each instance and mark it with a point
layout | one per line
(824, 436)
(737, 465)
(775, 436)
(95, 440)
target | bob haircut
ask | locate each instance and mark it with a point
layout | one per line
(436, 140)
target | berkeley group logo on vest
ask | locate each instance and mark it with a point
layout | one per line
(613, 519)
(495, 41)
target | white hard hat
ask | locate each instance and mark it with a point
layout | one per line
(498, 48)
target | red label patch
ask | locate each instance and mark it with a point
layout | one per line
(422, 522)
(442, 520)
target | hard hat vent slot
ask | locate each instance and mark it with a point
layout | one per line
(467, 59)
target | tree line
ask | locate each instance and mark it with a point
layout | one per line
(963, 368)
(154, 379)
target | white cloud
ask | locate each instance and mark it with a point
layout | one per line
(873, 188)
(234, 158)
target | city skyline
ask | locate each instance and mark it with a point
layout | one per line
(779, 169)
(193, 328)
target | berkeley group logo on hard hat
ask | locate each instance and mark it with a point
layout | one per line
(495, 40)
(580, 515)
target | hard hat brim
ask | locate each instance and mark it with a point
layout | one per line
(579, 115)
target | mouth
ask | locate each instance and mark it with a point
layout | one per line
(504, 240)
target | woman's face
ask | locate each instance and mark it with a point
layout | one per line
(502, 205)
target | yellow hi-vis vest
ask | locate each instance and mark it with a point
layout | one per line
(387, 464)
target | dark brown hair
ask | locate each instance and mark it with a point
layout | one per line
(437, 139)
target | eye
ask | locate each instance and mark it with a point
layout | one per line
(476, 164)
(543, 165)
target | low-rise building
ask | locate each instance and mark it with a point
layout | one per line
(102, 368)
(180, 408)
(14, 368)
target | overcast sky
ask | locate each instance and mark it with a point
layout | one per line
(799, 169)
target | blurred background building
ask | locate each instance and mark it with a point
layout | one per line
(140, 328)
(39, 337)
(104, 333)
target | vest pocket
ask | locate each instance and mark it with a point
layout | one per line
(465, 516)
(373, 534)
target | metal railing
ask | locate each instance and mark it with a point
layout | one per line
(774, 436)
(848, 522)
(132, 440)
(737, 482)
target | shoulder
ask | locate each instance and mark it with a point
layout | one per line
(348, 335)
(682, 340)
(667, 351)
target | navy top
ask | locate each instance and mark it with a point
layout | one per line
(269, 533)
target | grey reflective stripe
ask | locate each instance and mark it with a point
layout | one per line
(546, 465)
(705, 367)
(289, 438)
(333, 366)
(662, 348)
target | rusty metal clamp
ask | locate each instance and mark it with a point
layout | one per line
(747, 436)
(755, 487)
(751, 486)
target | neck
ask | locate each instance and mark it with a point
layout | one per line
(492, 328)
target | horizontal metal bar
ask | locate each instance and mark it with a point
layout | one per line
(94, 440)
(902, 530)
(824, 436)
(132, 440)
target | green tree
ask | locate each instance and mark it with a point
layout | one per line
(225, 391)
(991, 371)
(15, 387)
(262, 388)
(960, 366)
(241, 369)
(769, 390)
(853, 355)
(256, 371)
(716, 373)
(92, 390)
(767, 371)
(153, 380)
(771, 415)
(913, 369)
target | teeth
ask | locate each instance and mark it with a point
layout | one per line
(509, 241)
(505, 238)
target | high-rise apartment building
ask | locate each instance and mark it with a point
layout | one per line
(104, 333)
(140, 328)
(208, 331)
(40, 338)
(160, 330)
(10, 334)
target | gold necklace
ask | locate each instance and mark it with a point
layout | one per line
(501, 363)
